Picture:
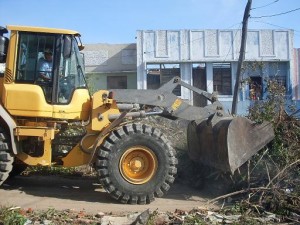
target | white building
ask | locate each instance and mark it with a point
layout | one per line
(208, 59)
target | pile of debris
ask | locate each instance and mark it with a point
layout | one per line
(179, 217)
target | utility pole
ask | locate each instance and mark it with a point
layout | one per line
(241, 57)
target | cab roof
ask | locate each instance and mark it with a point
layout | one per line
(41, 30)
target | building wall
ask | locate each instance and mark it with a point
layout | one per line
(212, 45)
(110, 57)
(187, 47)
(110, 60)
(98, 81)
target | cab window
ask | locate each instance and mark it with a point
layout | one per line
(71, 74)
(31, 56)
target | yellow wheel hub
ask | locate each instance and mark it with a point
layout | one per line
(138, 165)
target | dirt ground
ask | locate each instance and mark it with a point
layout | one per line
(40, 192)
(84, 193)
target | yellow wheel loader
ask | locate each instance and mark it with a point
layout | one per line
(135, 162)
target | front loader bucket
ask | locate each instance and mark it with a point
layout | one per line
(228, 142)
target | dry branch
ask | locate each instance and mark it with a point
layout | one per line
(240, 192)
(282, 171)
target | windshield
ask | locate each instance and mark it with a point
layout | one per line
(41, 61)
(71, 73)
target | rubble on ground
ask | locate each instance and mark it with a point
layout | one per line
(178, 217)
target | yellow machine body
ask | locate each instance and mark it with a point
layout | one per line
(27, 104)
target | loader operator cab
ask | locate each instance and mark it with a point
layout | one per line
(44, 74)
(51, 56)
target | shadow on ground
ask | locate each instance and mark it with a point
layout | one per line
(190, 184)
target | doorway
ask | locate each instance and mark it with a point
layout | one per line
(199, 81)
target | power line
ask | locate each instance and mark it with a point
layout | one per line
(296, 32)
(194, 40)
(232, 44)
(278, 14)
(265, 5)
(274, 25)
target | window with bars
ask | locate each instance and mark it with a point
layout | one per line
(159, 74)
(278, 72)
(222, 80)
(31, 55)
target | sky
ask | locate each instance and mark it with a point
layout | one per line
(116, 21)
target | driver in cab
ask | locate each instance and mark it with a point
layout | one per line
(45, 69)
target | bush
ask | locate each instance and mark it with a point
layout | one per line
(277, 168)
(11, 216)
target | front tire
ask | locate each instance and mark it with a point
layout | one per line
(6, 157)
(136, 163)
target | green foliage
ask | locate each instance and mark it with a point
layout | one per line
(51, 216)
(194, 220)
(152, 217)
(11, 216)
(277, 166)
(48, 214)
(269, 109)
(285, 147)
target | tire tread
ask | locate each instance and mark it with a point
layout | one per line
(102, 163)
(6, 157)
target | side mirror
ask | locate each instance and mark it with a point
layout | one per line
(67, 46)
(3, 44)
(3, 48)
(81, 47)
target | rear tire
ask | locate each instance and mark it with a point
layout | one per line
(136, 163)
(6, 157)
